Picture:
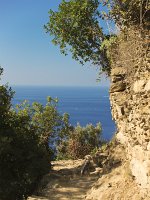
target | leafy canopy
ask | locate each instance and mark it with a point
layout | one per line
(75, 27)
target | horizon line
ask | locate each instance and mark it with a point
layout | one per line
(59, 85)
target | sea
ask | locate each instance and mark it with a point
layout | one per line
(84, 104)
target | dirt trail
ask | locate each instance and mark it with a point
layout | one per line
(65, 182)
(115, 182)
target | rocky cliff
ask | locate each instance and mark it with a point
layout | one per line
(130, 101)
(129, 177)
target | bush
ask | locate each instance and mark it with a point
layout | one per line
(80, 141)
(23, 161)
(25, 133)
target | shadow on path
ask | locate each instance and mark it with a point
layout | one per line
(65, 182)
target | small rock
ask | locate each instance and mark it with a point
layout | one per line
(139, 86)
(109, 185)
(56, 186)
(117, 87)
(117, 78)
(118, 71)
(147, 86)
(95, 173)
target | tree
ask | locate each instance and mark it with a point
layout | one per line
(76, 27)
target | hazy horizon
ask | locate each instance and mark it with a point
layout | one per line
(59, 86)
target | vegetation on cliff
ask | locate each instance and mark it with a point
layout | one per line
(78, 27)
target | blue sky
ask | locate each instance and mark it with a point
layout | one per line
(26, 52)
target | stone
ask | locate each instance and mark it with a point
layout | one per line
(148, 146)
(147, 86)
(140, 172)
(139, 86)
(36, 198)
(130, 103)
(118, 71)
(98, 171)
(145, 110)
(117, 87)
(120, 110)
(117, 78)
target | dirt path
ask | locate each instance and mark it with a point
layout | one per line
(116, 181)
(65, 182)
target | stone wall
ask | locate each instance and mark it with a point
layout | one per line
(130, 101)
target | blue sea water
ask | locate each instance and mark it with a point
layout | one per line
(84, 104)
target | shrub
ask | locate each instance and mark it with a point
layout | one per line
(23, 161)
(48, 124)
(25, 133)
(80, 142)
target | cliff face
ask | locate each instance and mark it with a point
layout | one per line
(130, 101)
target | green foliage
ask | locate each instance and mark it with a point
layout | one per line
(25, 133)
(108, 45)
(6, 95)
(75, 27)
(126, 13)
(23, 161)
(80, 141)
(49, 125)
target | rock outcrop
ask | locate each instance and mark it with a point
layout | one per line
(130, 101)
